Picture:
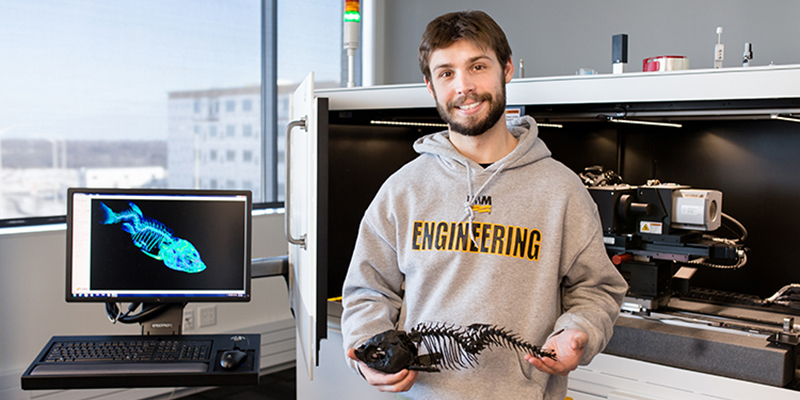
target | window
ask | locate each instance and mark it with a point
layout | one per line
(230, 130)
(136, 97)
(302, 50)
(213, 110)
(124, 94)
(247, 156)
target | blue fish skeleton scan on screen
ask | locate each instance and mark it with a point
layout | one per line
(155, 239)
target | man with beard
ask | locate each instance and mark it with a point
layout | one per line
(483, 227)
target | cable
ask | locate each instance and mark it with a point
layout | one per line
(112, 311)
(124, 317)
(780, 293)
(742, 252)
(738, 224)
(149, 311)
(739, 263)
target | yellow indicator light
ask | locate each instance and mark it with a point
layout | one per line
(351, 5)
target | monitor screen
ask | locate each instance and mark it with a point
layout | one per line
(158, 245)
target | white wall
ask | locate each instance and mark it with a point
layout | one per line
(32, 286)
(560, 37)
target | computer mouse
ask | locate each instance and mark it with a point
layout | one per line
(232, 358)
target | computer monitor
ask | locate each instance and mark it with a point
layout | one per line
(158, 246)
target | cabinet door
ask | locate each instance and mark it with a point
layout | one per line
(306, 218)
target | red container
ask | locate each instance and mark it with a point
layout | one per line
(665, 63)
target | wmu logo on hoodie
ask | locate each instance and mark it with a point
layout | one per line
(482, 204)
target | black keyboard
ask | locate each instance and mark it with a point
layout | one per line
(142, 350)
(72, 362)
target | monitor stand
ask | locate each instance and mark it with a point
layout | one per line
(167, 322)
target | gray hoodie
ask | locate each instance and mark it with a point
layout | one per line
(517, 244)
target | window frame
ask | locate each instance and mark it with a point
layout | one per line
(269, 109)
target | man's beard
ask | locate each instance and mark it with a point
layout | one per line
(479, 126)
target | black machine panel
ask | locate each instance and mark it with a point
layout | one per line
(752, 162)
(361, 157)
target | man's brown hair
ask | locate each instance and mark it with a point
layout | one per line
(475, 26)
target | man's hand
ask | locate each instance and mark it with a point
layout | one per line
(399, 382)
(568, 346)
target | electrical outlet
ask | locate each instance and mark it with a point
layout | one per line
(188, 319)
(208, 315)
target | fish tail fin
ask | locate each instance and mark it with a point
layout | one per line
(108, 216)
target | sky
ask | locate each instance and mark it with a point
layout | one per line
(96, 69)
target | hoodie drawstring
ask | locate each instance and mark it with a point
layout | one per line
(469, 211)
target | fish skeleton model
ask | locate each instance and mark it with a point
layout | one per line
(445, 346)
(155, 239)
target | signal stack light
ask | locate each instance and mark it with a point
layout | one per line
(352, 20)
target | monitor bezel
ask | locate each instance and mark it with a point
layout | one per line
(155, 298)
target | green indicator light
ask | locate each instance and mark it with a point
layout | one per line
(352, 16)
